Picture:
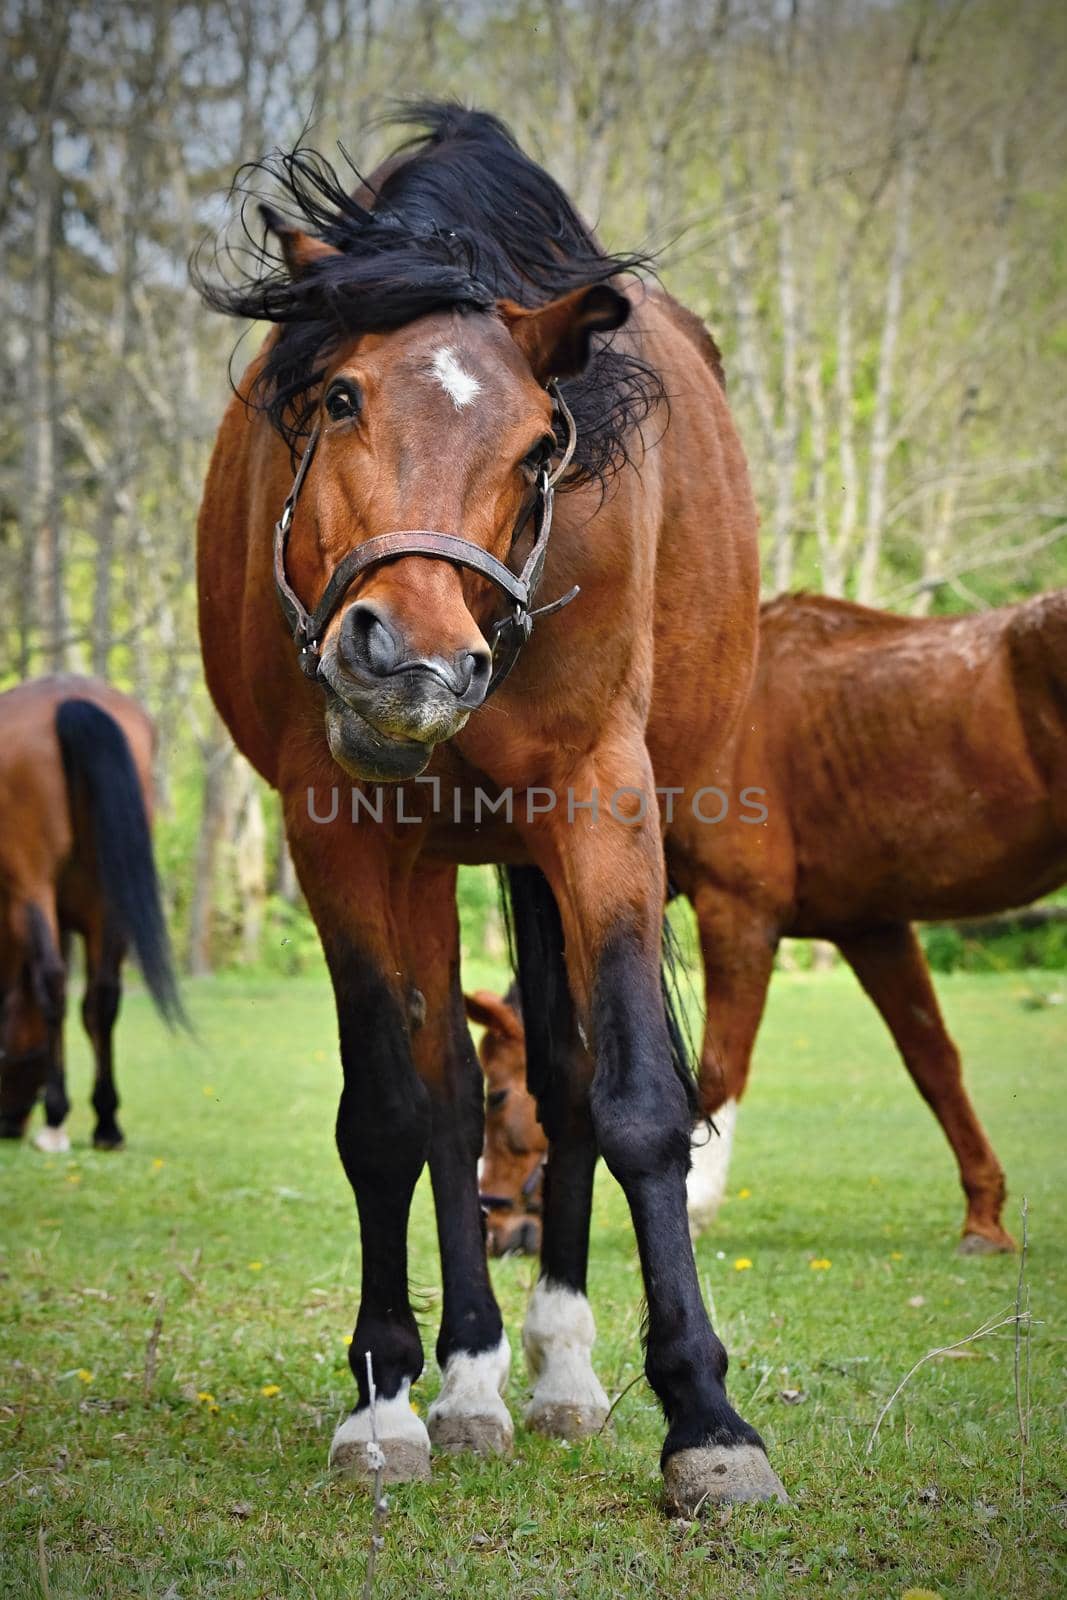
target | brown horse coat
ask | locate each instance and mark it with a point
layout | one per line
(420, 427)
(910, 770)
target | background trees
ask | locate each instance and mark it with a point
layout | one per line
(867, 203)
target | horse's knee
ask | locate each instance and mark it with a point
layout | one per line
(642, 1110)
(642, 1130)
(383, 1137)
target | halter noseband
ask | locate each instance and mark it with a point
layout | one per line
(509, 634)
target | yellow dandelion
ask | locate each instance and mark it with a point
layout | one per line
(742, 1264)
(205, 1398)
(820, 1264)
(269, 1390)
(744, 1194)
(896, 1255)
(214, 1410)
(255, 1266)
(415, 1407)
(74, 1177)
(157, 1163)
(348, 1338)
(209, 1089)
(84, 1375)
(920, 1594)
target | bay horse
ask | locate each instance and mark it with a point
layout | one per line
(909, 770)
(452, 346)
(75, 858)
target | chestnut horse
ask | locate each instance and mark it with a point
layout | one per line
(910, 770)
(75, 857)
(444, 354)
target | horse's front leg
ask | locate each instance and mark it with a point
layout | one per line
(606, 871)
(383, 1135)
(472, 1348)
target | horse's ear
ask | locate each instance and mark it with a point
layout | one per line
(299, 250)
(555, 339)
(489, 1011)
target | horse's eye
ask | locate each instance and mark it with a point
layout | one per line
(495, 1098)
(343, 400)
(535, 459)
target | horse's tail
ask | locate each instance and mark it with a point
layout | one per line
(102, 779)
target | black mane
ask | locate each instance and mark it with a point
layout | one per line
(461, 219)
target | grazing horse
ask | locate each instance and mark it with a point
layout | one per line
(511, 1169)
(75, 857)
(910, 770)
(377, 578)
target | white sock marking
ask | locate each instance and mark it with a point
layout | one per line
(53, 1141)
(460, 386)
(708, 1176)
(396, 1420)
(471, 1386)
(557, 1337)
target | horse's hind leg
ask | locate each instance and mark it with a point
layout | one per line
(738, 946)
(100, 1009)
(568, 1400)
(469, 1412)
(609, 885)
(890, 965)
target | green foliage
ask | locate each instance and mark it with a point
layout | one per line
(948, 949)
(290, 939)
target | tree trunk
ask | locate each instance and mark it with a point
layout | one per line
(218, 753)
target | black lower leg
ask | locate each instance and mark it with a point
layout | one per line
(642, 1115)
(470, 1320)
(383, 1131)
(100, 1010)
(558, 1072)
(56, 1099)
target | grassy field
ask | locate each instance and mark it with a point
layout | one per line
(832, 1271)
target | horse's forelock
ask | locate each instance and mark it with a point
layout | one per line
(454, 219)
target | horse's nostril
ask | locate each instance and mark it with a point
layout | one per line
(367, 642)
(529, 1238)
(474, 667)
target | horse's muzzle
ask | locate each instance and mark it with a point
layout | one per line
(384, 730)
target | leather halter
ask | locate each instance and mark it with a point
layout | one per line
(509, 634)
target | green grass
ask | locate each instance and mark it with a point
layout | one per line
(230, 1204)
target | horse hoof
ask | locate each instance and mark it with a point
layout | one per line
(984, 1244)
(52, 1141)
(469, 1413)
(716, 1474)
(108, 1141)
(565, 1419)
(402, 1440)
(482, 1436)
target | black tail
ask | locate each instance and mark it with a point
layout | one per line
(101, 777)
